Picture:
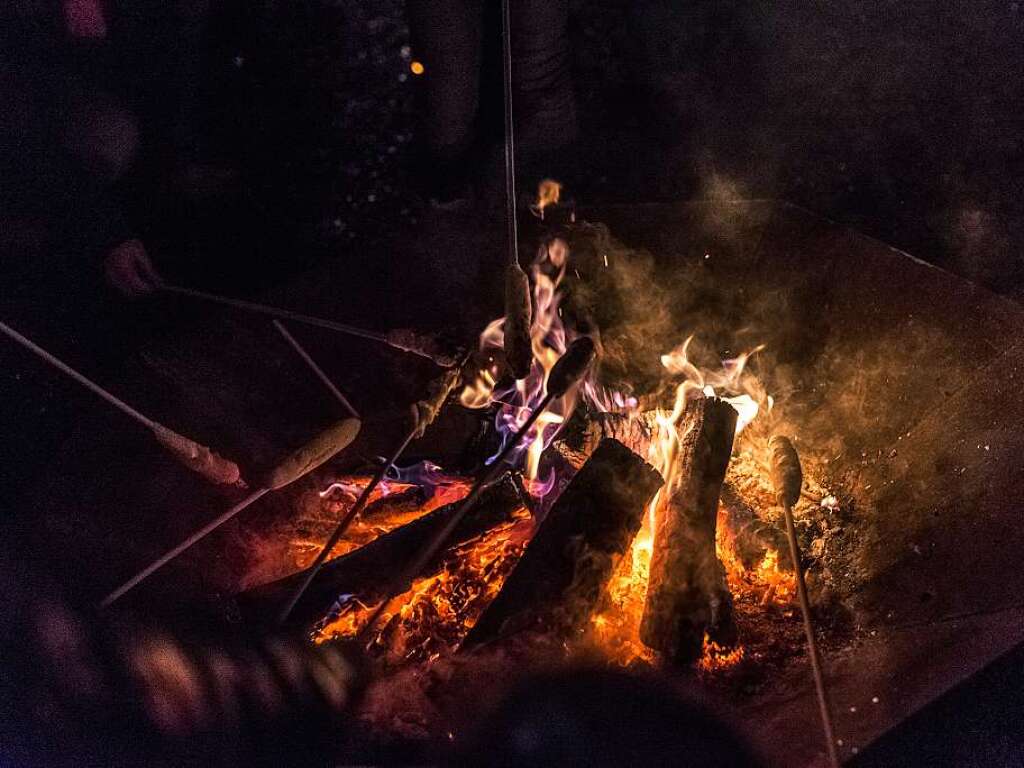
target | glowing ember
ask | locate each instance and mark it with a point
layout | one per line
(716, 658)
(435, 614)
(325, 507)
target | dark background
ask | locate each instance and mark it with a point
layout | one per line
(902, 119)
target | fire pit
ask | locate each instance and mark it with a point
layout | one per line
(860, 352)
(892, 377)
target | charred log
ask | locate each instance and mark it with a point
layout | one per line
(402, 502)
(567, 564)
(635, 431)
(368, 571)
(687, 595)
(749, 536)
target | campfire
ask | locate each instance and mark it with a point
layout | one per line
(633, 524)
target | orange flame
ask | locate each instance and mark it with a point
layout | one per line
(548, 193)
(549, 338)
(627, 592)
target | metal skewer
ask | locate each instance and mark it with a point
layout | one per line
(518, 301)
(195, 456)
(510, 146)
(787, 478)
(392, 339)
(284, 314)
(301, 352)
(165, 558)
(423, 414)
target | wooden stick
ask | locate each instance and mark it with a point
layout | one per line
(317, 370)
(193, 455)
(787, 478)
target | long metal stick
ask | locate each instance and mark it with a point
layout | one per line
(510, 147)
(193, 455)
(301, 352)
(298, 317)
(92, 386)
(393, 340)
(812, 643)
(173, 553)
(344, 523)
(284, 314)
(435, 544)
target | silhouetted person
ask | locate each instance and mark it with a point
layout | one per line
(459, 44)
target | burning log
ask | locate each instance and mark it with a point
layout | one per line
(568, 562)
(749, 537)
(565, 374)
(367, 572)
(687, 595)
(402, 502)
(635, 431)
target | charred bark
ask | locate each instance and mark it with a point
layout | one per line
(635, 431)
(368, 571)
(403, 502)
(567, 564)
(687, 595)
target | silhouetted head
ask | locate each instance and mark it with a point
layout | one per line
(603, 718)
